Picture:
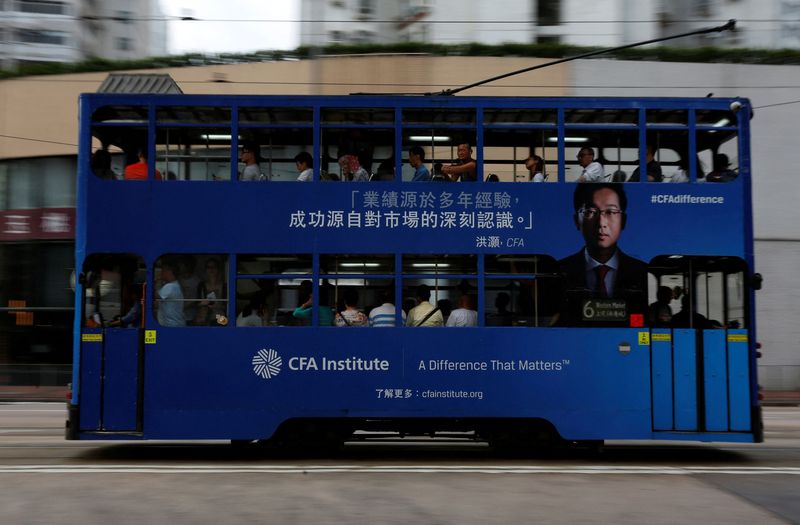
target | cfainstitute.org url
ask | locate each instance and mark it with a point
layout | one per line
(685, 199)
(451, 394)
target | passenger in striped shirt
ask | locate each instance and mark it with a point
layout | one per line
(383, 316)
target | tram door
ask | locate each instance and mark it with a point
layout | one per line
(700, 360)
(112, 354)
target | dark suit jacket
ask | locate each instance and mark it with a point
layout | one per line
(630, 285)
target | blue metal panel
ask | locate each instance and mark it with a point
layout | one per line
(661, 355)
(91, 379)
(739, 381)
(685, 352)
(120, 386)
(715, 380)
(201, 383)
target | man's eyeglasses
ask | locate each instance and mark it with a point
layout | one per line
(592, 213)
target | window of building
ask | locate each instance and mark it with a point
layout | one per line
(32, 36)
(42, 7)
(124, 43)
(548, 13)
(125, 17)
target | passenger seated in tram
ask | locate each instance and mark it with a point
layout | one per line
(138, 170)
(351, 315)
(464, 168)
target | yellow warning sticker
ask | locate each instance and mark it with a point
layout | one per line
(92, 338)
(644, 338)
(149, 337)
(737, 338)
(661, 338)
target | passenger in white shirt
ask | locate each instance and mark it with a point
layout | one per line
(464, 315)
(592, 170)
(305, 165)
(535, 165)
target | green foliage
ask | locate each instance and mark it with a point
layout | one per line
(554, 51)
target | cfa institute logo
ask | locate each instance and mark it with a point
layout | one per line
(267, 363)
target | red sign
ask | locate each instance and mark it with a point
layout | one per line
(40, 223)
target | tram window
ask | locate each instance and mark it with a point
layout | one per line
(268, 288)
(193, 154)
(506, 152)
(446, 294)
(440, 132)
(697, 292)
(718, 154)
(616, 151)
(449, 277)
(366, 279)
(191, 289)
(274, 152)
(366, 116)
(517, 116)
(357, 154)
(113, 290)
(521, 290)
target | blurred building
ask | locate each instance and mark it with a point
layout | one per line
(606, 23)
(33, 31)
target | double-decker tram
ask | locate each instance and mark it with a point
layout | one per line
(518, 269)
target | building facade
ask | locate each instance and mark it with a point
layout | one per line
(35, 31)
(771, 24)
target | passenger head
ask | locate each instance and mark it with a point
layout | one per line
(600, 216)
(423, 293)
(650, 152)
(465, 301)
(464, 151)
(213, 267)
(437, 168)
(416, 156)
(502, 301)
(169, 270)
(585, 156)
(141, 152)
(101, 159)
(304, 161)
(385, 295)
(664, 294)
(351, 297)
(721, 162)
(492, 178)
(250, 152)
(534, 164)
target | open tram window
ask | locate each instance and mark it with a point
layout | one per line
(697, 292)
(521, 290)
(119, 135)
(667, 148)
(520, 145)
(191, 290)
(270, 288)
(113, 290)
(448, 138)
(358, 284)
(451, 281)
(717, 147)
(601, 145)
(270, 138)
(193, 154)
(357, 144)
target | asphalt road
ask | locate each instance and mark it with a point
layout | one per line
(45, 479)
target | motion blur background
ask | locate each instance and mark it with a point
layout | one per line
(51, 51)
